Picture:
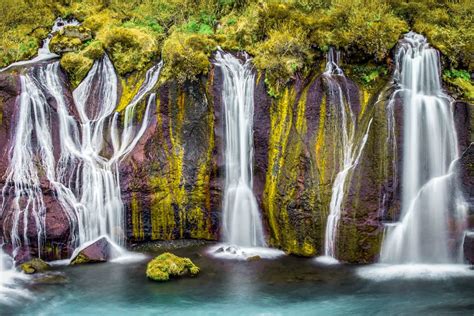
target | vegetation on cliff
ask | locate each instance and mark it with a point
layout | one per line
(287, 37)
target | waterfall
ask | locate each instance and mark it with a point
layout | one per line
(242, 225)
(349, 151)
(432, 213)
(85, 178)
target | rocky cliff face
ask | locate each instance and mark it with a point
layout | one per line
(173, 180)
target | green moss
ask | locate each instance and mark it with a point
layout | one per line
(458, 84)
(69, 39)
(284, 53)
(130, 49)
(80, 259)
(35, 265)
(367, 75)
(186, 56)
(23, 25)
(76, 66)
(169, 265)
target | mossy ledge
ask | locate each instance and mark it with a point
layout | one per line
(286, 37)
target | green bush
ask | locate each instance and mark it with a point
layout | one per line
(130, 48)
(186, 56)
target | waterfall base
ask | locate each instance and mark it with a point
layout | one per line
(10, 293)
(383, 272)
(117, 253)
(228, 251)
(326, 260)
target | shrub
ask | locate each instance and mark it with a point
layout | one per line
(186, 56)
(130, 48)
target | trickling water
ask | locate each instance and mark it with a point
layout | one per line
(432, 214)
(85, 181)
(350, 151)
(242, 225)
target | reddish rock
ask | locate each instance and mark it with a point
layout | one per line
(98, 251)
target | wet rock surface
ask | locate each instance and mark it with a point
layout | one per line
(35, 265)
(98, 251)
(468, 247)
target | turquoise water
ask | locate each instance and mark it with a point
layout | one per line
(285, 286)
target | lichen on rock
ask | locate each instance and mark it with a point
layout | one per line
(169, 265)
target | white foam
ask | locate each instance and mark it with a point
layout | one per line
(383, 272)
(326, 260)
(10, 293)
(232, 252)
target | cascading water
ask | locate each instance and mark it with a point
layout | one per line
(85, 182)
(9, 291)
(350, 150)
(432, 213)
(242, 225)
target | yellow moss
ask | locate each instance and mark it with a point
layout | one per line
(130, 87)
(168, 264)
(76, 66)
(321, 162)
(130, 48)
(177, 155)
(162, 213)
(137, 220)
(364, 100)
(186, 56)
(280, 125)
(169, 192)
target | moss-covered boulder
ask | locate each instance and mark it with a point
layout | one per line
(35, 265)
(168, 264)
(69, 39)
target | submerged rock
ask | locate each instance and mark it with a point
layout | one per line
(168, 264)
(35, 265)
(51, 278)
(254, 258)
(98, 251)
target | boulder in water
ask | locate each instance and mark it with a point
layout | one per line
(254, 258)
(98, 251)
(35, 265)
(468, 247)
(168, 264)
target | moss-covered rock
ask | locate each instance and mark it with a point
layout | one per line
(169, 265)
(130, 48)
(35, 265)
(69, 39)
(76, 66)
